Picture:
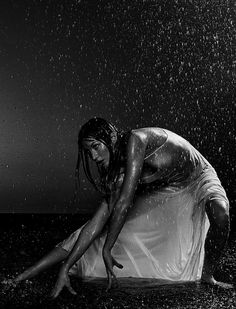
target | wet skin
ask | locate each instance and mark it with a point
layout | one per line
(98, 151)
(173, 157)
(142, 143)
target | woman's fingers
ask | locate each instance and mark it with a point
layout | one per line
(109, 285)
(115, 283)
(71, 290)
(117, 264)
(56, 291)
(112, 280)
(110, 262)
(59, 286)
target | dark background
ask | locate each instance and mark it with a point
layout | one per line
(136, 63)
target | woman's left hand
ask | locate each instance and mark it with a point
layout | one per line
(62, 281)
(110, 262)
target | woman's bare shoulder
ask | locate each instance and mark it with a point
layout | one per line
(148, 132)
(153, 136)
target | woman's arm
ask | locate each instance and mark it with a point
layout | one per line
(136, 149)
(87, 235)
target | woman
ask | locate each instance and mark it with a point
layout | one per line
(157, 191)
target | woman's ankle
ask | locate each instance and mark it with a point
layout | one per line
(207, 277)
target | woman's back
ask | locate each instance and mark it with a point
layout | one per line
(169, 157)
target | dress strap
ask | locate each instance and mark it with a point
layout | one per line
(158, 148)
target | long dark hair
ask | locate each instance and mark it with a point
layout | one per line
(115, 140)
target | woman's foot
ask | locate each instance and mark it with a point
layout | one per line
(12, 282)
(208, 279)
(9, 282)
(21, 277)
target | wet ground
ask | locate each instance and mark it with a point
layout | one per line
(25, 238)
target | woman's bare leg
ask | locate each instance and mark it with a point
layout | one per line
(57, 255)
(216, 240)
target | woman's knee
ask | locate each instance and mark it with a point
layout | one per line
(218, 213)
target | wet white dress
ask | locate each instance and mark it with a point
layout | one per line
(164, 234)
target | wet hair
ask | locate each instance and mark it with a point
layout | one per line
(114, 139)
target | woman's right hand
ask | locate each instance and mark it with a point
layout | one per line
(62, 281)
(110, 262)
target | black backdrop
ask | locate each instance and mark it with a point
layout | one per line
(137, 63)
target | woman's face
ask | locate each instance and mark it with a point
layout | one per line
(98, 151)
